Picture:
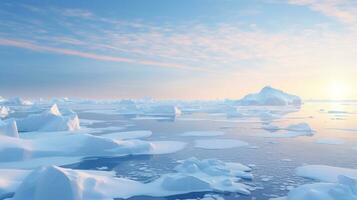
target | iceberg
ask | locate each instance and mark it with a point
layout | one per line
(51, 120)
(269, 96)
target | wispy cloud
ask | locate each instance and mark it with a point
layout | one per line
(343, 10)
(36, 47)
(221, 47)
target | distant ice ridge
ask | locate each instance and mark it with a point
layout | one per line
(163, 110)
(56, 183)
(50, 120)
(17, 101)
(269, 96)
(336, 184)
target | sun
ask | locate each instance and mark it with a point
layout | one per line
(338, 90)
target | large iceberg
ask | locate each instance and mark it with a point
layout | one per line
(50, 120)
(269, 96)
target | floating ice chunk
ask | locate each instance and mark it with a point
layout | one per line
(332, 141)
(270, 97)
(9, 128)
(4, 111)
(325, 173)
(51, 120)
(294, 130)
(300, 127)
(203, 133)
(163, 110)
(211, 173)
(128, 135)
(219, 143)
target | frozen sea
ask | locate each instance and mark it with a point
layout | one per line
(272, 153)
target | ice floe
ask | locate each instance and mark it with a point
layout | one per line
(50, 120)
(325, 173)
(219, 143)
(66, 146)
(203, 133)
(269, 96)
(336, 184)
(291, 131)
(191, 175)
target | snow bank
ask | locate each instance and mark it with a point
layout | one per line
(219, 143)
(191, 175)
(269, 96)
(9, 128)
(51, 120)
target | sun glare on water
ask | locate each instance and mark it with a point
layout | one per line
(338, 90)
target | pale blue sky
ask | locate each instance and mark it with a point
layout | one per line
(176, 48)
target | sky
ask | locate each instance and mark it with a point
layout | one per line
(177, 49)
